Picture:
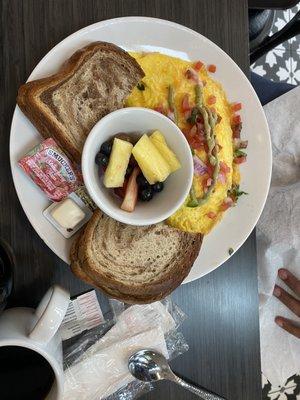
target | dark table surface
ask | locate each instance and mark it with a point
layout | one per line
(222, 329)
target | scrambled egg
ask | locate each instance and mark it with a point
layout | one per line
(160, 72)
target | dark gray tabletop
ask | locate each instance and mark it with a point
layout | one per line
(222, 329)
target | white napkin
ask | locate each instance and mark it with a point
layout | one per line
(278, 238)
(102, 369)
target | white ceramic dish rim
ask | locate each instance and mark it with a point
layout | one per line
(243, 234)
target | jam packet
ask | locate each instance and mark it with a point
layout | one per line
(49, 167)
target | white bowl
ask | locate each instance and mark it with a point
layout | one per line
(177, 185)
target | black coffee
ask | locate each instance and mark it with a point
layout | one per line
(24, 374)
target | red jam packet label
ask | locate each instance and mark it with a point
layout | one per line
(49, 167)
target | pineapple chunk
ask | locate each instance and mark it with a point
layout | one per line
(150, 161)
(160, 143)
(118, 162)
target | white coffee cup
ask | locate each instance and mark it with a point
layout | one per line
(37, 330)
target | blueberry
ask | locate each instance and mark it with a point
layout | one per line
(142, 182)
(101, 159)
(106, 148)
(146, 194)
(158, 187)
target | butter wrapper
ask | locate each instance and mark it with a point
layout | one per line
(49, 167)
(67, 207)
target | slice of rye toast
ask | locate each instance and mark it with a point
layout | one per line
(133, 264)
(94, 81)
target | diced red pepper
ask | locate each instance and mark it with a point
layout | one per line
(212, 68)
(236, 119)
(131, 194)
(211, 215)
(211, 100)
(240, 160)
(185, 105)
(224, 167)
(236, 107)
(198, 65)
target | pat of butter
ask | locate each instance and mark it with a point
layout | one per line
(67, 214)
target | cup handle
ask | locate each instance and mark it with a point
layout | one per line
(50, 313)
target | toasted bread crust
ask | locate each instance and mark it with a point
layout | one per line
(29, 94)
(84, 265)
(75, 263)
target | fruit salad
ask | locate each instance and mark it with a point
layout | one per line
(136, 167)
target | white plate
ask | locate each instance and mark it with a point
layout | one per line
(149, 34)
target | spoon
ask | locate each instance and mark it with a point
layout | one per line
(150, 366)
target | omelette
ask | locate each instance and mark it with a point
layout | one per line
(186, 92)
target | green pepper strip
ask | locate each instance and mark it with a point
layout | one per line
(193, 202)
(209, 123)
(171, 102)
(210, 120)
(199, 96)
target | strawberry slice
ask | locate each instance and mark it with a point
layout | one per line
(121, 191)
(131, 194)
